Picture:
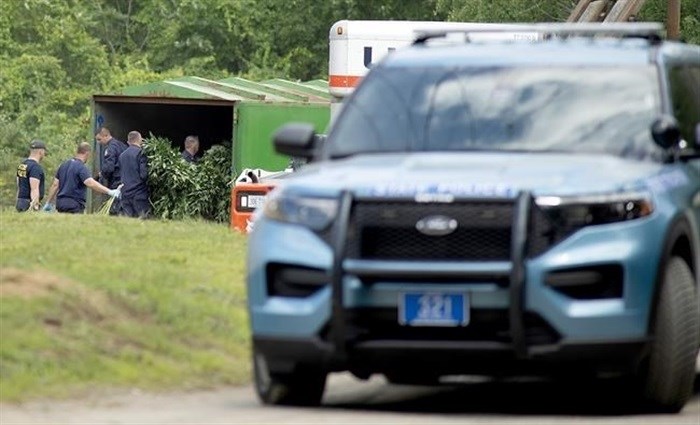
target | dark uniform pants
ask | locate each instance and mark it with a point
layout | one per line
(22, 204)
(69, 205)
(116, 207)
(135, 207)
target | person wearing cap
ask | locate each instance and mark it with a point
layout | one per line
(191, 149)
(30, 178)
(110, 174)
(134, 168)
(70, 184)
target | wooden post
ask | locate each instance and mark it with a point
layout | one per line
(673, 20)
(578, 10)
(594, 10)
(624, 10)
(617, 13)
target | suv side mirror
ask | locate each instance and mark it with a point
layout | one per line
(666, 132)
(296, 139)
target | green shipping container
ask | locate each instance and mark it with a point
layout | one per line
(255, 123)
(234, 111)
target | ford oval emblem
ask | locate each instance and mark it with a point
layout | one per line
(436, 225)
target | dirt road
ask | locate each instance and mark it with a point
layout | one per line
(374, 402)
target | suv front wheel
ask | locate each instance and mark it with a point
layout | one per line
(302, 387)
(667, 375)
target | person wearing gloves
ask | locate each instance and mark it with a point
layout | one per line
(70, 184)
(110, 174)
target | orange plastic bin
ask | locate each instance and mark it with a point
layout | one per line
(245, 198)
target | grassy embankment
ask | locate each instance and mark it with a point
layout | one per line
(91, 302)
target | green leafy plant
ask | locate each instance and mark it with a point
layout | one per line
(183, 190)
(213, 177)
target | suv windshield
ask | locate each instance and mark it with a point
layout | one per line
(584, 109)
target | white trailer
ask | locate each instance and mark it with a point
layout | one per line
(355, 45)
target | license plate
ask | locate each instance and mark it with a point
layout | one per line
(433, 309)
(252, 201)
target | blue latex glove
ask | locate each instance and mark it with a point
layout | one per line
(115, 193)
(48, 207)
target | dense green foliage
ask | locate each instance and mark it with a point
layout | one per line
(55, 54)
(507, 10)
(146, 304)
(184, 190)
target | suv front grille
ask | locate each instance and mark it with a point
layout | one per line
(387, 230)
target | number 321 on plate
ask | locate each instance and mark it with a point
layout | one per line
(434, 309)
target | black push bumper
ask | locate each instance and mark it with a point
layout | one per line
(452, 357)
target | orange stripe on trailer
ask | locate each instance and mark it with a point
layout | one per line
(344, 80)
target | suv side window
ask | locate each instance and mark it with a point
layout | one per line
(685, 95)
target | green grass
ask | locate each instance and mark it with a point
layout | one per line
(90, 302)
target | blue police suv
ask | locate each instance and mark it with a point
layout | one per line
(491, 208)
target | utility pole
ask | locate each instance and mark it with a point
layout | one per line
(673, 20)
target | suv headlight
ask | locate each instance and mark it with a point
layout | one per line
(314, 213)
(579, 211)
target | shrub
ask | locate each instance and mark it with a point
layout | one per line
(183, 190)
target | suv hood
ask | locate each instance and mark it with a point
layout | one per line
(478, 174)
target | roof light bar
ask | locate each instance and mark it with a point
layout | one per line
(649, 30)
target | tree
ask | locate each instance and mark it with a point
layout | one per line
(655, 11)
(295, 32)
(505, 10)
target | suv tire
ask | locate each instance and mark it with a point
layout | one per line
(302, 387)
(668, 374)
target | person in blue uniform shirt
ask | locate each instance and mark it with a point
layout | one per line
(191, 149)
(110, 174)
(134, 169)
(70, 184)
(30, 178)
